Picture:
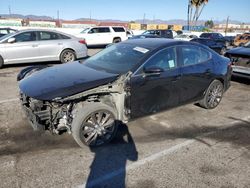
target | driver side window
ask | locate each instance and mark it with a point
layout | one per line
(165, 59)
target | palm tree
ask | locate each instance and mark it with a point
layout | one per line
(197, 6)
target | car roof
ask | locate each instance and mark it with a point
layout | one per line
(154, 43)
(48, 30)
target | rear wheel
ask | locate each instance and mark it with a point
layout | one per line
(94, 124)
(1, 62)
(116, 40)
(213, 95)
(67, 56)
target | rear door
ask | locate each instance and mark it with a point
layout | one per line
(152, 93)
(50, 45)
(197, 72)
(99, 35)
(23, 50)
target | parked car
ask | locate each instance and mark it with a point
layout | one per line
(103, 35)
(216, 37)
(164, 33)
(130, 34)
(7, 30)
(230, 40)
(240, 40)
(123, 82)
(28, 46)
(240, 58)
(144, 36)
(185, 37)
(216, 46)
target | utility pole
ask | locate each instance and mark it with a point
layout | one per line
(144, 15)
(9, 10)
(188, 15)
(226, 26)
(58, 15)
(90, 16)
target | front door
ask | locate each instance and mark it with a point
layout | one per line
(152, 93)
(23, 50)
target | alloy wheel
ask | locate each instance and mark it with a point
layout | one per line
(98, 128)
(215, 95)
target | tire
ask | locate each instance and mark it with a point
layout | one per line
(1, 62)
(213, 95)
(94, 124)
(116, 40)
(67, 56)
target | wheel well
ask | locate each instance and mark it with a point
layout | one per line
(116, 38)
(1, 59)
(67, 49)
(221, 80)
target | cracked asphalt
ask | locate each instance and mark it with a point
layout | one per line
(184, 147)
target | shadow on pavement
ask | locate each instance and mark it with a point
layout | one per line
(24, 139)
(237, 134)
(110, 161)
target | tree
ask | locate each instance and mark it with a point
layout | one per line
(197, 6)
(209, 24)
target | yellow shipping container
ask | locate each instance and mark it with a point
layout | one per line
(134, 26)
(177, 27)
(151, 26)
(162, 26)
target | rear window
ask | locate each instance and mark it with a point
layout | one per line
(118, 29)
(44, 35)
(205, 35)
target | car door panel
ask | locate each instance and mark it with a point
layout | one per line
(196, 76)
(24, 50)
(152, 93)
(50, 45)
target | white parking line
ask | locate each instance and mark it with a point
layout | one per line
(138, 163)
(9, 100)
(153, 157)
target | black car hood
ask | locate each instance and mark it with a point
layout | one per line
(240, 51)
(63, 80)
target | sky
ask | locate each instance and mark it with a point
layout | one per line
(127, 10)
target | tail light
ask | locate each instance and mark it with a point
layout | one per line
(82, 41)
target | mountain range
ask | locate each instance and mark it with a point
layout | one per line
(146, 21)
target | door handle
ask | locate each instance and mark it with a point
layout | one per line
(35, 45)
(60, 43)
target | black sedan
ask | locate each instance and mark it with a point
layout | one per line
(218, 47)
(5, 31)
(240, 58)
(128, 80)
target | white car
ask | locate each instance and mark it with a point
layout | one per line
(185, 37)
(28, 46)
(103, 35)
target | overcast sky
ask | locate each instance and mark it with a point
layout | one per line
(127, 9)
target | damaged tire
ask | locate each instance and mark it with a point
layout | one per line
(213, 95)
(94, 124)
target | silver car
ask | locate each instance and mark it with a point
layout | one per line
(28, 46)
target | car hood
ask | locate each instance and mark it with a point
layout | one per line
(240, 51)
(63, 80)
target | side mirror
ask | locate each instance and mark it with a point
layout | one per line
(152, 71)
(11, 40)
(90, 32)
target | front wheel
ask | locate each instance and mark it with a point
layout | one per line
(213, 95)
(94, 124)
(67, 56)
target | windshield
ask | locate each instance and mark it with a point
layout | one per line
(118, 58)
(247, 45)
(85, 30)
(5, 37)
(151, 32)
